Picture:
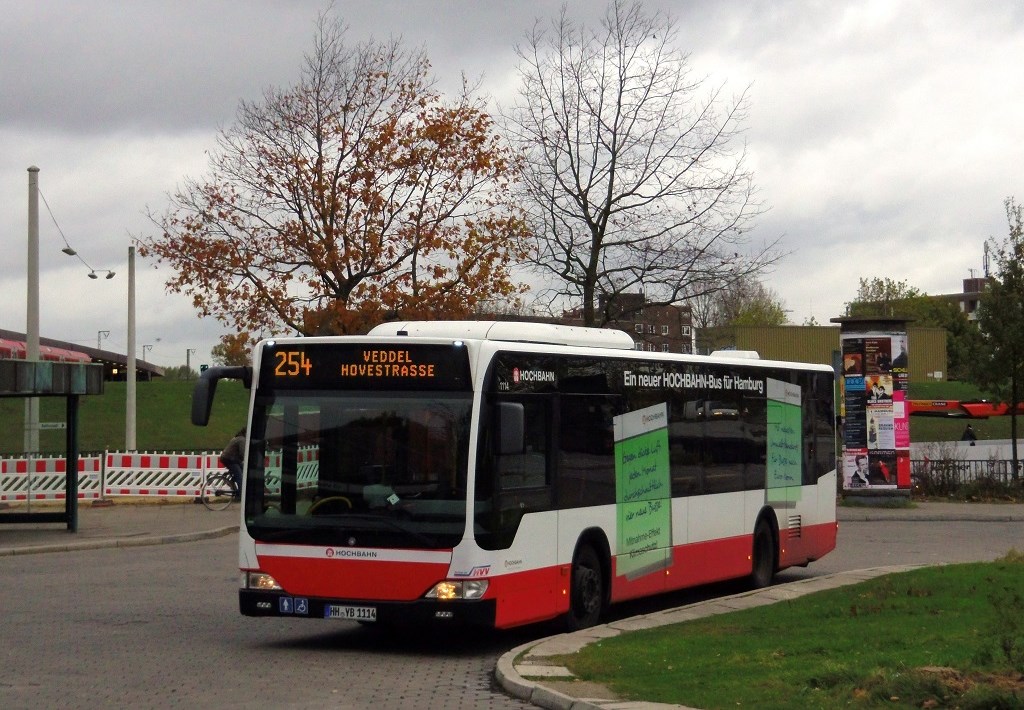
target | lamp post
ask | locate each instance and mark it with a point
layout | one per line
(32, 321)
(129, 411)
(100, 335)
(145, 349)
(95, 273)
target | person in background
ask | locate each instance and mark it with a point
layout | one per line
(969, 435)
(232, 458)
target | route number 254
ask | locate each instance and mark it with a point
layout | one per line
(292, 363)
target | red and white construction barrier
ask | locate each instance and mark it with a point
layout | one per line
(146, 474)
(154, 474)
(43, 478)
(308, 458)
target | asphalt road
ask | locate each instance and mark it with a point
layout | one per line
(158, 627)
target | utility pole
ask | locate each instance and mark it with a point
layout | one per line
(188, 362)
(32, 326)
(129, 425)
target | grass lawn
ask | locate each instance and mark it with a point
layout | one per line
(162, 419)
(939, 637)
(950, 429)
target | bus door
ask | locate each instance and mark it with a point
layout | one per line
(515, 508)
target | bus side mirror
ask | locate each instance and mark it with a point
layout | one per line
(511, 424)
(206, 386)
(202, 400)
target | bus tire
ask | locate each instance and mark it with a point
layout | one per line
(586, 590)
(763, 555)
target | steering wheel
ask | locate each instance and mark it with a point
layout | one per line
(330, 499)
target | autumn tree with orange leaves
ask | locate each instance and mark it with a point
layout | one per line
(359, 195)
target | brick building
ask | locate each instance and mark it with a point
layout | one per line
(653, 328)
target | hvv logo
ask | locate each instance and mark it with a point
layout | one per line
(478, 571)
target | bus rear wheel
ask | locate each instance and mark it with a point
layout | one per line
(763, 556)
(586, 591)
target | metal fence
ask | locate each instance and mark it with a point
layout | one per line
(950, 473)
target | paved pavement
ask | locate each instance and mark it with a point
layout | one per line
(125, 523)
(523, 672)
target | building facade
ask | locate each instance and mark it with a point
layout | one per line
(654, 328)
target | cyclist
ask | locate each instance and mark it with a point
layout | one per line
(232, 458)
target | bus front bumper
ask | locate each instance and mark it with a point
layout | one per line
(421, 611)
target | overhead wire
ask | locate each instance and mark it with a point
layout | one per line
(68, 249)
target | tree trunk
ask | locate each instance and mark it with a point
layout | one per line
(1014, 398)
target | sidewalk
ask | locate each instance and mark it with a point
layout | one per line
(932, 511)
(126, 523)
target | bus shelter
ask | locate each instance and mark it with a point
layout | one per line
(70, 380)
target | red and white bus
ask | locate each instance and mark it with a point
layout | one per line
(505, 473)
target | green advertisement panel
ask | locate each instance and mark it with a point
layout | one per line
(785, 425)
(643, 491)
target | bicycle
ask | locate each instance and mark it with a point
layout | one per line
(219, 491)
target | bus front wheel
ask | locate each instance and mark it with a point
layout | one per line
(586, 591)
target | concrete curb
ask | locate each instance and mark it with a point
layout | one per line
(118, 542)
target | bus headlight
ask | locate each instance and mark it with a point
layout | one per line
(467, 589)
(259, 580)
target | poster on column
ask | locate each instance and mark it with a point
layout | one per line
(864, 468)
(876, 427)
(855, 424)
(642, 492)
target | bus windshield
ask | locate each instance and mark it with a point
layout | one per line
(366, 469)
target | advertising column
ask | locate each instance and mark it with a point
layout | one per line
(876, 428)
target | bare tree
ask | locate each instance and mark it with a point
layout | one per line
(635, 178)
(750, 302)
(746, 301)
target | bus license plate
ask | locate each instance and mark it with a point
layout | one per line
(350, 613)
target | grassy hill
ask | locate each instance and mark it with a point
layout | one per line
(163, 424)
(162, 421)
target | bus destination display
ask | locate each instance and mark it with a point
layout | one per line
(364, 366)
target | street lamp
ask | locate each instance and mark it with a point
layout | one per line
(32, 298)
(145, 349)
(100, 335)
(94, 274)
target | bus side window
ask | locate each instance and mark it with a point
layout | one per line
(521, 443)
(586, 450)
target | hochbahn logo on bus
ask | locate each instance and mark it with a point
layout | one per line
(532, 375)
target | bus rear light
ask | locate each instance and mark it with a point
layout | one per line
(448, 590)
(259, 580)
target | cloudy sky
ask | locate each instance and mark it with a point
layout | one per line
(884, 136)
